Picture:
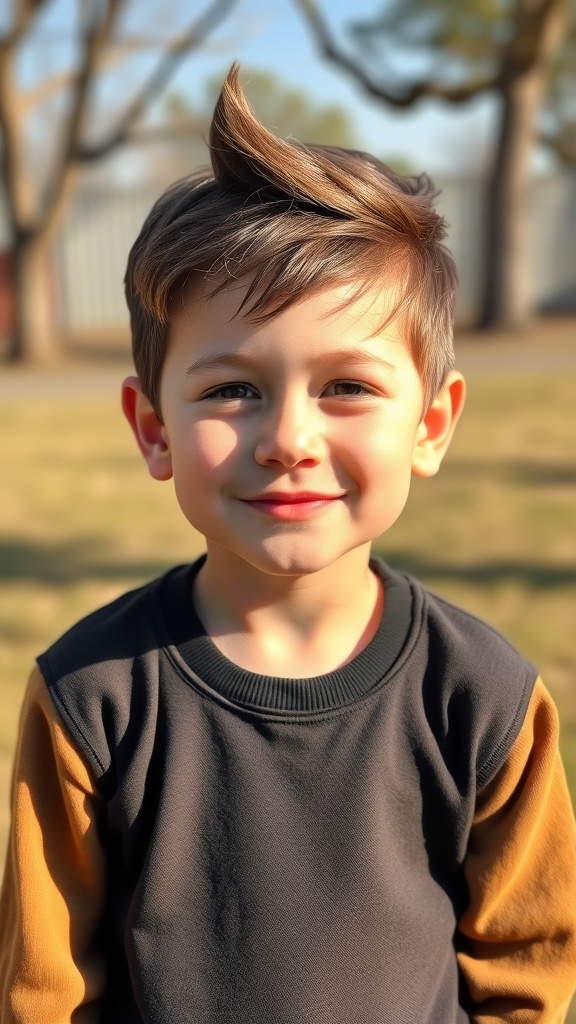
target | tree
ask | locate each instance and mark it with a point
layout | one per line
(520, 50)
(291, 112)
(558, 122)
(37, 178)
(287, 111)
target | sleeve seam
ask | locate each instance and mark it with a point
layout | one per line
(494, 762)
(73, 726)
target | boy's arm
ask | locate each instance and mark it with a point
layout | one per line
(51, 966)
(517, 937)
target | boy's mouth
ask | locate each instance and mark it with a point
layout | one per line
(298, 505)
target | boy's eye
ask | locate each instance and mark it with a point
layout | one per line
(232, 392)
(348, 389)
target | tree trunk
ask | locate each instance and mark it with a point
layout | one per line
(508, 290)
(507, 283)
(34, 333)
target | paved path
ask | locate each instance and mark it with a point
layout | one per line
(66, 382)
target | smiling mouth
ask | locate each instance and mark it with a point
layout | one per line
(293, 506)
(301, 498)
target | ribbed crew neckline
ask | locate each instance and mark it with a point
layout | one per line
(347, 685)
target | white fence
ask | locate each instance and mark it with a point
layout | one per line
(101, 225)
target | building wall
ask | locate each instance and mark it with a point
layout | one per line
(95, 239)
(90, 256)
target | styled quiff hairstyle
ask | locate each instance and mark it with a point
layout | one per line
(294, 218)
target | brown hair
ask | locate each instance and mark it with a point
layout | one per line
(297, 217)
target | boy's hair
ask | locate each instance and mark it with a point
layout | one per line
(297, 218)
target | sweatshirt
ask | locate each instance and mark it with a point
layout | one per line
(390, 843)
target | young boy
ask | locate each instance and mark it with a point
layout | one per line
(286, 785)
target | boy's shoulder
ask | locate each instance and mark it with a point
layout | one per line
(463, 638)
(471, 676)
(119, 630)
(448, 630)
(466, 678)
(130, 625)
(94, 669)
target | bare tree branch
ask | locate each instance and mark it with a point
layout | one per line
(411, 94)
(182, 128)
(97, 30)
(9, 127)
(35, 196)
(24, 14)
(539, 26)
(176, 51)
(34, 97)
(564, 146)
(18, 194)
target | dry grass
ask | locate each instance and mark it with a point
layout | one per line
(80, 521)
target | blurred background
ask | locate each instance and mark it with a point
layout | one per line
(104, 102)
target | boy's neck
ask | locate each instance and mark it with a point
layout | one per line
(289, 626)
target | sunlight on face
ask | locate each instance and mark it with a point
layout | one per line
(291, 442)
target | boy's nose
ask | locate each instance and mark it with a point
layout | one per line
(290, 435)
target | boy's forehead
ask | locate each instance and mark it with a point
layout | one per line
(342, 308)
(331, 332)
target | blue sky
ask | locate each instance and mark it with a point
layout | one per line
(272, 35)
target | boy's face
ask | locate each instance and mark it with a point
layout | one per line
(291, 442)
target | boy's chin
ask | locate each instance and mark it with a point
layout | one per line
(298, 560)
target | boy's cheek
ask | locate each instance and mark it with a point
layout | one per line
(205, 446)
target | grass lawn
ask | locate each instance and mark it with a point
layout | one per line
(80, 521)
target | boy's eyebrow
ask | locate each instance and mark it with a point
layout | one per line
(233, 359)
(237, 361)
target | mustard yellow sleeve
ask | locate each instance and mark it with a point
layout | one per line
(52, 970)
(517, 941)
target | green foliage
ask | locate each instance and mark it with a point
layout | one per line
(453, 39)
(285, 110)
(453, 43)
(292, 112)
(559, 114)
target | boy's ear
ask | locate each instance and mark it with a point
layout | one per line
(437, 426)
(148, 430)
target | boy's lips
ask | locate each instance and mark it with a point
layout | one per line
(292, 505)
(293, 497)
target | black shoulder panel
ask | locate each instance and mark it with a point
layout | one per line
(486, 684)
(101, 675)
